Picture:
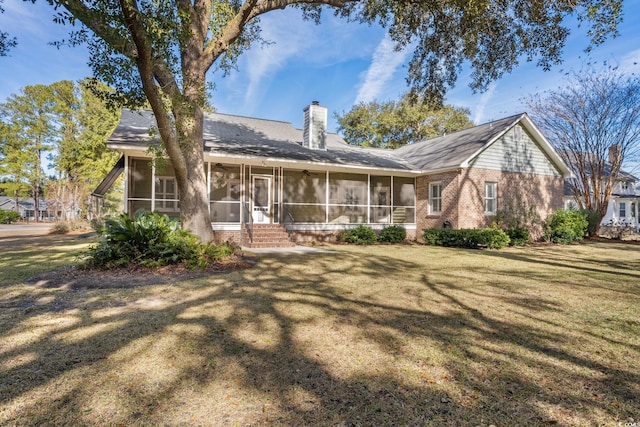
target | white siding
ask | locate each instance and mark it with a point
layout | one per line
(516, 154)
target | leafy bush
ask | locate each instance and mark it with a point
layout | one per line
(393, 234)
(566, 226)
(518, 236)
(97, 223)
(361, 235)
(63, 227)
(593, 220)
(516, 213)
(492, 238)
(150, 239)
(7, 217)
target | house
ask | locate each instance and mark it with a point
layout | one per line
(26, 207)
(623, 210)
(266, 175)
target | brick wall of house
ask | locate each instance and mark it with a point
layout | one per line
(463, 197)
(222, 236)
(449, 211)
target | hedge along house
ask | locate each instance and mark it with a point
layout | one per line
(271, 184)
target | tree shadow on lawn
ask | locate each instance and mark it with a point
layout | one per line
(283, 343)
(575, 260)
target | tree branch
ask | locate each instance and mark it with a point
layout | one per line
(96, 23)
(251, 9)
(147, 68)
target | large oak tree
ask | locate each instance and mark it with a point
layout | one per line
(161, 51)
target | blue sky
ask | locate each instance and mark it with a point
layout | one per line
(336, 63)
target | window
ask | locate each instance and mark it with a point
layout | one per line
(490, 198)
(570, 205)
(623, 210)
(166, 194)
(435, 198)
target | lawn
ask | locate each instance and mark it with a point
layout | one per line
(379, 335)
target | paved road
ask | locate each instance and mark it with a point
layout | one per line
(28, 229)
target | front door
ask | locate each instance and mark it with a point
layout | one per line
(261, 199)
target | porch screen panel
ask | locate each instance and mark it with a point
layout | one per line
(404, 201)
(136, 205)
(224, 194)
(380, 199)
(140, 182)
(167, 199)
(140, 185)
(348, 202)
(304, 196)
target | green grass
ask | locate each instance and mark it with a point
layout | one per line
(377, 335)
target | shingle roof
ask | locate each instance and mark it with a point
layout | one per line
(452, 150)
(249, 137)
(238, 136)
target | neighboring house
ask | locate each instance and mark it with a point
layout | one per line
(314, 184)
(624, 205)
(26, 207)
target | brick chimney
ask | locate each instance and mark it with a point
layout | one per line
(315, 127)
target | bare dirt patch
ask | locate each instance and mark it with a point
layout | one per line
(73, 278)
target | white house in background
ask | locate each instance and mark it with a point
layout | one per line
(624, 205)
(26, 207)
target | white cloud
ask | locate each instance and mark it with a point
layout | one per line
(631, 62)
(485, 99)
(384, 64)
(293, 39)
(263, 61)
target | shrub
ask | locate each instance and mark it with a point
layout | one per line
(492, 238)
(97, 223)
(7, 217)
(518, 236)
(517, 213)
(63, 227)
(593, 219)
(150, 239)
(566, 226)
(361, 235)
(393, 234)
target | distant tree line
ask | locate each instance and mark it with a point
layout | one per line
(63, 124)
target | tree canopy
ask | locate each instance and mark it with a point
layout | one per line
(67, 122)
(6, 41)
(162, 51)
(594, 121)
(392, 124)
(27, 132)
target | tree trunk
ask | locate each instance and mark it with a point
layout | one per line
(192, 182)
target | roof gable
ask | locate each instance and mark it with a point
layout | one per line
(454, 150)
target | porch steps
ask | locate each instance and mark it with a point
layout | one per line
(399, 215)
(267, 236)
